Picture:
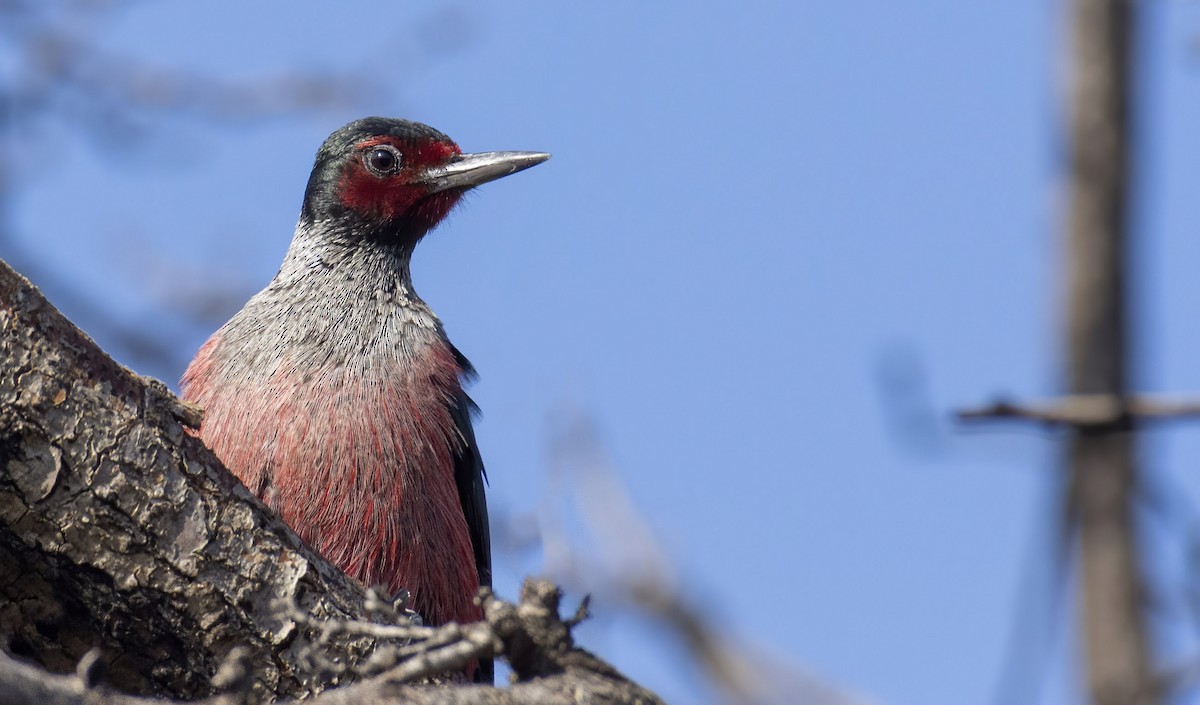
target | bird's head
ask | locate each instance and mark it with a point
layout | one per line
(397, 179)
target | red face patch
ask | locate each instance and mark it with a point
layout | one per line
(388, 195)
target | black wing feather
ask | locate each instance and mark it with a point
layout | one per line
(471, 478)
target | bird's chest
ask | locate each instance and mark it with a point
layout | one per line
(362, 428)
(356, 451)
(366, 473)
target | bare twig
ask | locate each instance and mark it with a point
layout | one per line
(460, 646)
(531, 634)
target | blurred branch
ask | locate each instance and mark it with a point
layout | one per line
(62, 75)
(1086, 410)
(902, 383)
(63, 69)
(631, 567)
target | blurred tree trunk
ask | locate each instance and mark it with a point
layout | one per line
(1102, 459)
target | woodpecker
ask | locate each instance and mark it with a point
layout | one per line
(334, 394)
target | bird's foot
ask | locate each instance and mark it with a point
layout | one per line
(393, 609)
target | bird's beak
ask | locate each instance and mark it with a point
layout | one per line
(467, 170)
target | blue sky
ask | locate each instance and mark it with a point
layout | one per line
(776, 246)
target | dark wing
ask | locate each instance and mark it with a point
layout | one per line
(469, 474)
(470, 477)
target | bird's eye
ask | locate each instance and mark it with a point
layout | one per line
(382, 160)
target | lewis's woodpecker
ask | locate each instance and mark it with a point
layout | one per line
(335, 395)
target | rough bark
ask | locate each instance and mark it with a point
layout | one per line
(120, 530)
(551, 671)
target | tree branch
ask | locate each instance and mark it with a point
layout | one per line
(569, 676)
(120, 530)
